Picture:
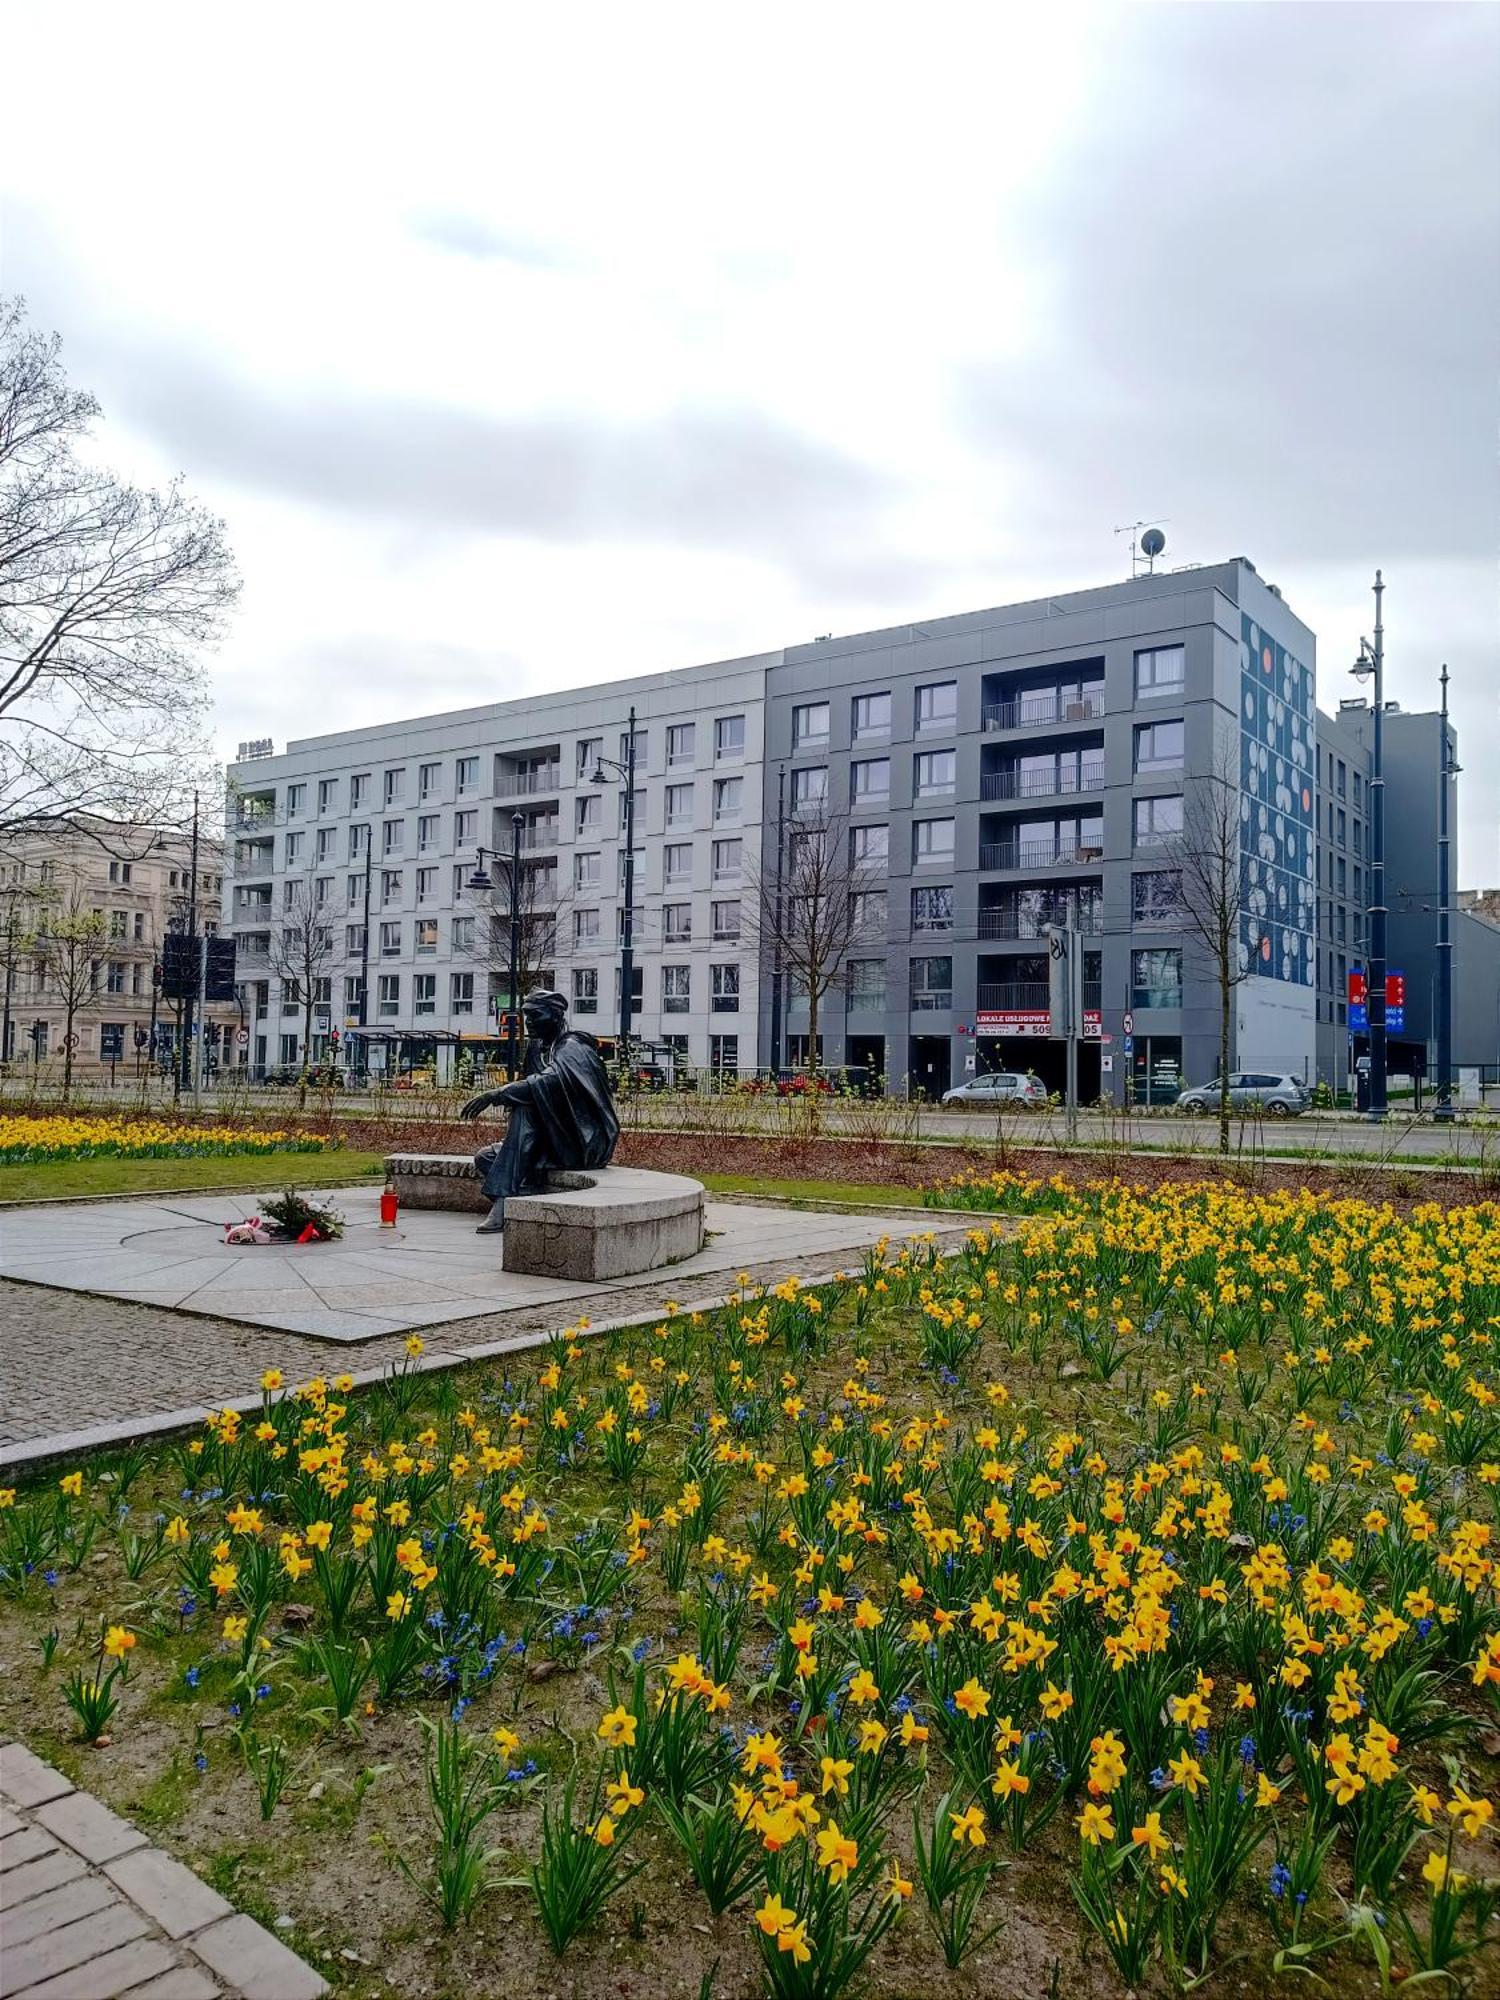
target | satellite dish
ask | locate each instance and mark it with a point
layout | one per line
(1152, 543)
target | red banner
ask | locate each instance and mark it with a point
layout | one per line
(1030, 1021)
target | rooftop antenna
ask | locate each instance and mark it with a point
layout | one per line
(1144, 547)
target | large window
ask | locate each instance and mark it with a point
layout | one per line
(869, 846)
(932, 842)
(1158, 746)
(1158, 821)
(427, 936)
(729, 738)
(935, 772)
(867, 912)
(390, 885)
(680, 743)
(937, 706)
(427, 833)
(395, 784)
(1156, 898)
(587, 872)
(931, 985)
(429, 780)
(392, 835)
(866, 983)
(676, 989)
(1156, 977)
(724, 1053)
(586, 991)
(869, 782)
(585, 927)
(390, 940)
(676, 923)
(590, 750)
(588, 814)
(810, 725)
(870, 715)
(726, 860)
(460, 993)
(388, 995)
(467, 772)
(728, 800)
(809, 787)
(424, 993)
(679, 805)
(677, 864)
(359, 790)
(725, 919)
(724, 991)
(932, 909)
(1160, 670)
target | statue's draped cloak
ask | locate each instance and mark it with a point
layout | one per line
(567, 1094)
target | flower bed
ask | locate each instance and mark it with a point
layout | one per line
(33, 1141)
(1143, 1557)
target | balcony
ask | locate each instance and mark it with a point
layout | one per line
(1018, 995)
(538, 782)
(997, 855)
(1027, 926)
(1013, 784)
(1042, 709)
(538, 834)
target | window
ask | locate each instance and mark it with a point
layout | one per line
(392, 836)
(460, 993)
(585, 927)
(296, 801)
(1158, 746)
(294, 849)
(289, 1048)
(1359, 836)
(637, 810)
(354, 940)
(119, 924)
(724, 989)
(724, 920)
(932, 841)
(937, 706)
(427, 833)
(589, 814)
(326, 837)
(390, 885)
(424, 993)
(359, 841)
(726, 859)
(679, 805)
(288, 894)
(466, 773)
(427, 936)
(728, 794)
(586, 991)
(427, 888)
(870, 715)
(934, 771)
(867, 912)
(359, 790)
(677, 863)
(639, 749)
(111, 1041)
(676, 923)
(114, 977)
(429, 780)
(1156, 977)
(461, 879)
(586, 871)
(724, 1053)
(1160, 670)
(729, 738)
(138, 929)
(866, 983)
(1343, 778)
(1156, 898)
(931, 985)
(1343, 827)
(680, 743)
(676, 989)
(465, 828)
(1158, 821)
(322, 888)
(328, 796)
(809, 787)
(461, 933)
(932, 909)
(809, 725)
(1341, 870)
(869, 846)
(388, 995)
(637, 988)
(395, 784)
(390, 940)
(869, 782)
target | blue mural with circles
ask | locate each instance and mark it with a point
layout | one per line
(1278, 916)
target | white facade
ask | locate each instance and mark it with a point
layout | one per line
(429, 793)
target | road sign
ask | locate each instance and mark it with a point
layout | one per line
(1107, 1063)
(70, 1042)
(242, 1038)
(1127, 1043)
(1127, 1024)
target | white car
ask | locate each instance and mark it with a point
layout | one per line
(998, 1086)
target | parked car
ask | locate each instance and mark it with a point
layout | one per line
(998, 1086)
(1251, 1090)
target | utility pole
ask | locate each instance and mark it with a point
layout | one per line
(364, 959)
(184, 1072)
(1371, 661)
(627, 947)
(513, 1029)
(1443, 1109)
(10, 975)
(776, 967)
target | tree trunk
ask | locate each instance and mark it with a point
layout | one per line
(307, 1014)
(812, 1027)
(1225, 994)
(68, 1015)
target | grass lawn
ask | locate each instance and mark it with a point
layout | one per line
(1150, 1544)
(57, 1180)
(855, 1193)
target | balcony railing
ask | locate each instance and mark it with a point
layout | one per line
(1025, 995)
(1037, 854)
(540, 833)
(1025, 926)
(1041, 784)
(520, 784)
(1045, 706)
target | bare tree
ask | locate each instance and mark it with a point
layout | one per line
(301, 951)
(107, 593)
(1211, 896)
(66, 940)
(539, 906)
(820, 911)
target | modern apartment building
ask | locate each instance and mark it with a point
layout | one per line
(79, 919)
(987, 775)
(407, 808)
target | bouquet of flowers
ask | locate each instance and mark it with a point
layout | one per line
(289, 1216)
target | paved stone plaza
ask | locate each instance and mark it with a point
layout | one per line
(117, 1334)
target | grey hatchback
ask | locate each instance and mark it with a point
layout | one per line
(1251, 1090)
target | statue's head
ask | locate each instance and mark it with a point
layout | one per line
(545, 1015)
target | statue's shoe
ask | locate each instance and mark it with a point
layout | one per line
(490, 1229)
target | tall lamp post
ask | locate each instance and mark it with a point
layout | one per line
(626, 770)
(482, 879)
(1371, 662)
(1443, 1109)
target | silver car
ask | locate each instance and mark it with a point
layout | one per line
(998, 1086)
(1251, 1090)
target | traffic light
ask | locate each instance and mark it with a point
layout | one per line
(218, 970)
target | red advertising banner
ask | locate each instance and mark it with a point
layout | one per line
(1030, 1021)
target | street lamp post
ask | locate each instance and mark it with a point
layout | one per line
(1443, 1109)
(1371, 662)
(364, 960)
(626, 770)
(482, 879)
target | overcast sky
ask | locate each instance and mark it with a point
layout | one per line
(521, 347)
